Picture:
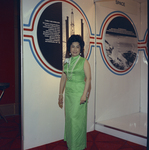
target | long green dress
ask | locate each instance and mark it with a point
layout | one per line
(75, 114)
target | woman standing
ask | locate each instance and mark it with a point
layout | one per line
(76, 76)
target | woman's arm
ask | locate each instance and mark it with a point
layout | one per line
(87, 72)
(61, 89)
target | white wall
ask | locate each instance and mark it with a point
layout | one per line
(43, 120)
(116, 95)
(144, 59)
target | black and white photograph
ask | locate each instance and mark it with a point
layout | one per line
(121, 43)
(73, 22)
(54, 30)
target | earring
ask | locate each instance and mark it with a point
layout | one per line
(80, 53)
(69, 53)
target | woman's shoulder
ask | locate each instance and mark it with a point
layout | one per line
(83, 59)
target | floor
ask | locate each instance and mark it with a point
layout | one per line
(96, 141)
(134, 123)
(10, 133)
(10, 139)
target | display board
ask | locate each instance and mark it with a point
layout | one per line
(143, 48)
(118, 60)
(115, 46)
(122, 62)
(47, 24)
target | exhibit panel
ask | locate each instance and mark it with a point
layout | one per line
(115, 36)
(47, 24)
(119, 70)
(144, 57)
(121, 76)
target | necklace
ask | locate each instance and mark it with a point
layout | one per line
(70, 76)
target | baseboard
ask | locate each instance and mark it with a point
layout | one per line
(122, 135)
(10, 109)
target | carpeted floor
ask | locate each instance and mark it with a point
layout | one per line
(96, 141)
(10, 134)
(10, 139)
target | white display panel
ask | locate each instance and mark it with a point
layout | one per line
(144, 58)
(121, 92)
(116, 91)
(43, 121)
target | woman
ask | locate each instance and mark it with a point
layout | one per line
(77, 76)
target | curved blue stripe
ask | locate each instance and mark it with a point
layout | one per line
(144, 36)
(90, 52)
(29, 23)
(27, 40)
(144, 53)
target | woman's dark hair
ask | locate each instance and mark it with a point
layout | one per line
(75, 38)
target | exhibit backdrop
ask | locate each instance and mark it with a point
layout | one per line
(47, 24)
(143, 48)
(115, 46)
(121, 83)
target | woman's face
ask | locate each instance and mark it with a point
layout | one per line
(75, 49)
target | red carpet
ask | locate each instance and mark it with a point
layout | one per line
(10, 139)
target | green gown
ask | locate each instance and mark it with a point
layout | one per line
(75, 114)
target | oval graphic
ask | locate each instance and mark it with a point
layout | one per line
(49, 35)
(52, 23)
(120, 44)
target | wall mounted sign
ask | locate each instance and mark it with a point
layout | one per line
(119, 35)
(118, 43)
(50, 25)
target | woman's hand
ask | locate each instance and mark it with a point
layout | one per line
(60, 101)
(83, 99)
(61, 89)
(87, 72)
